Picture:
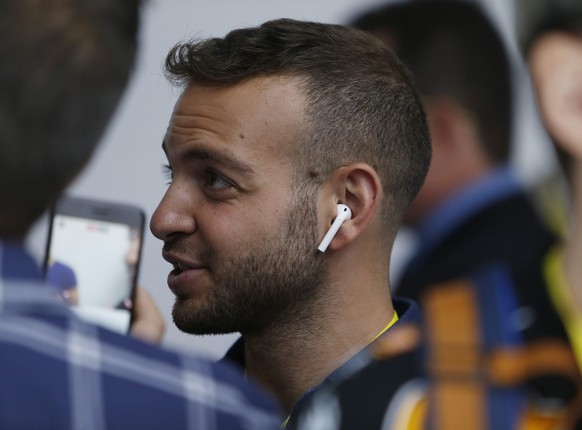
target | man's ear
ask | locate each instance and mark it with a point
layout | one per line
(358, 187)
(451, 127)
(458, 155)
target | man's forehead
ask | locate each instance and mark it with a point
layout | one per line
(269, 108)
(250, 127)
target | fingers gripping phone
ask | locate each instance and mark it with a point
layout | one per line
(92, 258)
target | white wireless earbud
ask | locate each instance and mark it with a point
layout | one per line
(343, 213)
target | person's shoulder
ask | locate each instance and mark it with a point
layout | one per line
(119, 380)
(200, 381)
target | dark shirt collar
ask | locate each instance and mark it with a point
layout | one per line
(407, 311)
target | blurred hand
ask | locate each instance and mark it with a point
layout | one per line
(148, 323)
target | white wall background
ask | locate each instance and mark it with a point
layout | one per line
(127, 166)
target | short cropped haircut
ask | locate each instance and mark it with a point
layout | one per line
(454, 50)
(361, 103)
(63, 67)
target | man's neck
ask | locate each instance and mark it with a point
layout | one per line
(292, 358)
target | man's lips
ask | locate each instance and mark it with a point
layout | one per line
(180, 263)
(180, 266)
(186, 272)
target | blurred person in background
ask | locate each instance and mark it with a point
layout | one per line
(471, 211)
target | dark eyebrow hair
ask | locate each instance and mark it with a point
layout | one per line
(211, 155)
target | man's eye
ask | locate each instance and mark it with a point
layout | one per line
(215, 181)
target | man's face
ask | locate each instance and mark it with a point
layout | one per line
(241, 238)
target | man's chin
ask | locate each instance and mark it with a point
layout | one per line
(199, 323)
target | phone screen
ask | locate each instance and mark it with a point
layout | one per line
(92, 263)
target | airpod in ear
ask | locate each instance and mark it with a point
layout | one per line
(343, 213)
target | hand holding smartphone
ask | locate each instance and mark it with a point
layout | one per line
(92, 258)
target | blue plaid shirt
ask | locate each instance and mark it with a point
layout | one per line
(57, 372)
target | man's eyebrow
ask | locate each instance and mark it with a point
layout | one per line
(214, 156)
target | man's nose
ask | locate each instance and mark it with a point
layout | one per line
(173, 215)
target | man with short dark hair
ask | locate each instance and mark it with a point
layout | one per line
(278, 129)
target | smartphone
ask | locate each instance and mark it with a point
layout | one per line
(92, 258)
